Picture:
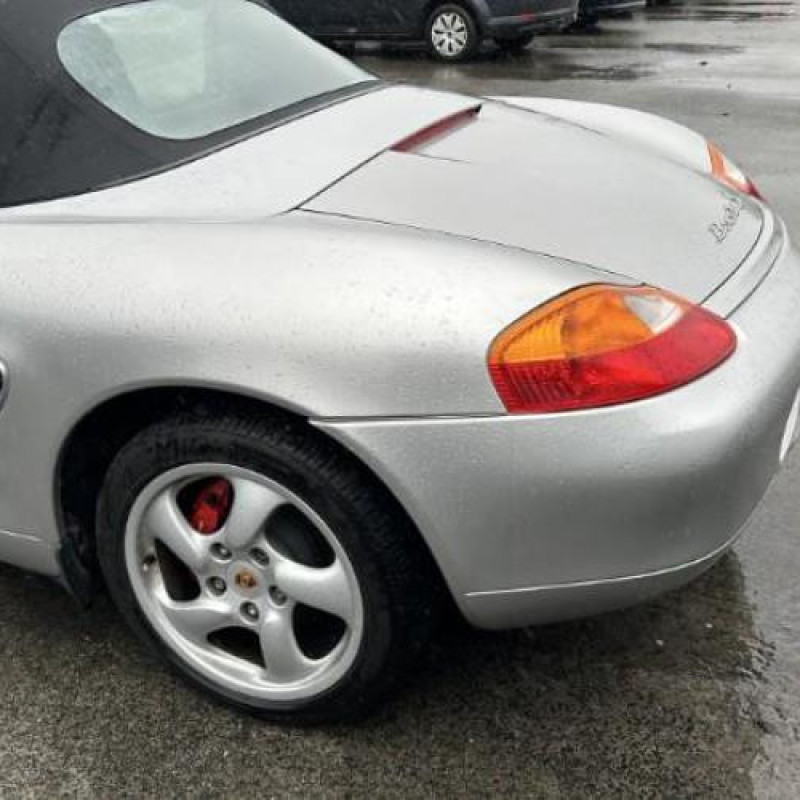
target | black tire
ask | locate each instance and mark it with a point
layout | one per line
(514, 44)
(395, 573)
(585, 22)
(472, 34)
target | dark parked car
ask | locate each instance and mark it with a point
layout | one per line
(591, 11)
(452, 31)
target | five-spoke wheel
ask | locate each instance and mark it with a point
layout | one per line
(265, 600)
(265, 564)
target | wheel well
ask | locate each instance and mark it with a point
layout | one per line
(95, 440)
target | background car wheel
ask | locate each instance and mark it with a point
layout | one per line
(265, 565)
(451, 33)
(514, 44)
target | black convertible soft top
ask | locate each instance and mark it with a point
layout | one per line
(55, 138)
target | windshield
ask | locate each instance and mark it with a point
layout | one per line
(183, 69)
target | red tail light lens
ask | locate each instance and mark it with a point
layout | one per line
(604, 345)
(725, 171)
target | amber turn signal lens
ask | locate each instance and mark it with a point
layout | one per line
(603, 345)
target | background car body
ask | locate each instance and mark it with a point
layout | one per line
(388, 19)
(321, 284)
(592, 10)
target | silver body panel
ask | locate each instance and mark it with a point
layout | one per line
(312, 267)
(569, 513)
(646, 132)
(480, 181)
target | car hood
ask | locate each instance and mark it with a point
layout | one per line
(534, 182)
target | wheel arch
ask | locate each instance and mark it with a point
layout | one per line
(94, 440)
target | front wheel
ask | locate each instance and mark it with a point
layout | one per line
(451, 34)
(264, 565)
(514, 44)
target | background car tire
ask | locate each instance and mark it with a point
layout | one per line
(397, 580)
(585, 22)
(451, 33)
(514, 44)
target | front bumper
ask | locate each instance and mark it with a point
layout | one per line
(542, 518)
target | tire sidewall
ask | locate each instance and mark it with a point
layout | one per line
(473, 36)
(166, 447)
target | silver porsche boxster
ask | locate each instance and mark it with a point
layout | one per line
(294, 358)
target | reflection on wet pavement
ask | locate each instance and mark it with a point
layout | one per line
(694, 696)
(652, 702)
(728, 12)
(771, 564)
(753, 44)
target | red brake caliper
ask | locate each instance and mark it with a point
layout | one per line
(211, 506)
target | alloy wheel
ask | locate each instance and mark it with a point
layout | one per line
(244, 581)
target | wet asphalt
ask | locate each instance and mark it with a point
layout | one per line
(696, 695)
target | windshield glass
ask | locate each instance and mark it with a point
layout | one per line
(184, 69)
